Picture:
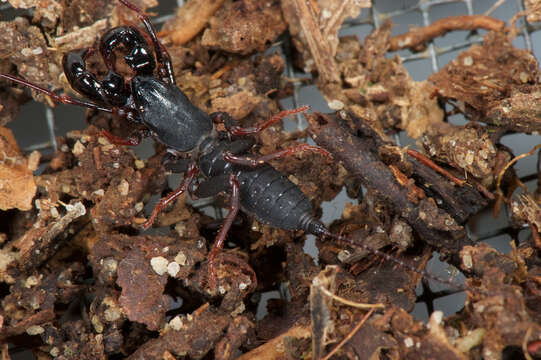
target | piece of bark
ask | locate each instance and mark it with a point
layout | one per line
(237, 334)
(244, 26)
(461, 202)
(433, 225)
(499, 306)
(22, 326)
(318, 45)
(370, 343)
(327, 16)
(39, 243)
(468, 148)
(481, 258)
(384, 284)
(80, 38)
(142, 298)
(193, 336)
(527, 210)
(190, 20)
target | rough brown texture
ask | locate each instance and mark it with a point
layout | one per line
(78, 280)
(17, 185)
(497, 82)
(315, 24)
(141, 296)
(360, 160)
(244, 26)
(190, 19)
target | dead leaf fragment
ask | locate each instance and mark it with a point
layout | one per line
(17, 186)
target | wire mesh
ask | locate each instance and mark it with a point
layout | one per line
(438, 52)
(483, 227)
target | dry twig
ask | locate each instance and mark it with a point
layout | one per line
(349, 302)
(496, 5)
(425, 160)
(359, 159)
(418, 36)
(508, 165)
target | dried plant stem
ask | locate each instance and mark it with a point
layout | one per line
(508, 165)
(349, 336)
(349, 302)
(427, 161)
(417, 36)
(496, 5)
(319, 46)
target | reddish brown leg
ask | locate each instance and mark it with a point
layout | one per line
(132, 140)
(237, 130)
(65, 99)
(258, 160)
(193, 170)
(162, 56)
(220, 239)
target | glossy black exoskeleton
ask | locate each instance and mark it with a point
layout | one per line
(223, 158)
(188, 133)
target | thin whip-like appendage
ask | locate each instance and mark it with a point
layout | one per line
(401, 263)
(65, 99)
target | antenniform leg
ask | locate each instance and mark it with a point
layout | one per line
(220, 239)
(162, 56)
(65, 99)
(253, 161)
(193, 170)
(240, 131)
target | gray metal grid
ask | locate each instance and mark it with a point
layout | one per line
(483, 227)
(403, 14)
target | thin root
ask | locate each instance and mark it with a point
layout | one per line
(514, 160)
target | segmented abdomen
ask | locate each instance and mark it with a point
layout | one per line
(273, 199)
